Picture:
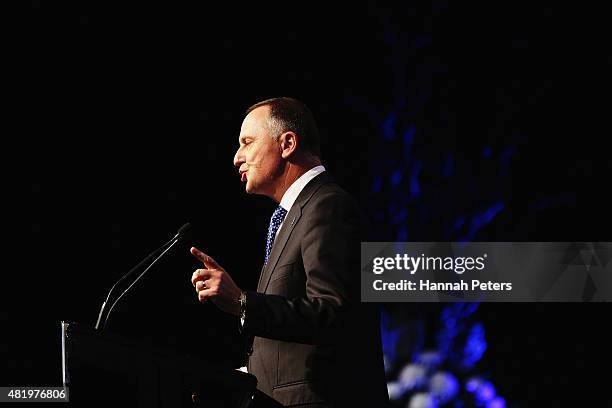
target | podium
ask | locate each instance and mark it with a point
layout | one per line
(105, 369)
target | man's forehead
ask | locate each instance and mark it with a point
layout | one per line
(255, 121)
(258, 114)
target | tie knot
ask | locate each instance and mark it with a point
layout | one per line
(279, 214)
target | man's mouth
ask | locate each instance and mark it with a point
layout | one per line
(243, 176)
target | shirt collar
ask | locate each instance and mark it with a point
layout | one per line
(298, 185)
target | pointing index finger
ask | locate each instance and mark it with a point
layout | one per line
(205, 259)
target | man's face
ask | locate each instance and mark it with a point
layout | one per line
(259, 155)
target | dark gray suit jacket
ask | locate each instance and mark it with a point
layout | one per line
(314, 342)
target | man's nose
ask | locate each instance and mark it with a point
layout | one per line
(238, 158)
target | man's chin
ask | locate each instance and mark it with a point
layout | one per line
(251, 189)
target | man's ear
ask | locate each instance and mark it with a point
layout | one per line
(288, 142)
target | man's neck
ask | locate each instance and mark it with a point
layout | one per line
(292, 172)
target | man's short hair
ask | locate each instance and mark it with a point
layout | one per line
(288, 114)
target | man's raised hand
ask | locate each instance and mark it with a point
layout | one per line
(213, 283)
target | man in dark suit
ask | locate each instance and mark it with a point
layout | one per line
(313, 342)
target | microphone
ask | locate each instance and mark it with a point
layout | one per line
(181, 235)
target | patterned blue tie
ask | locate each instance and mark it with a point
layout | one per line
(275, 222)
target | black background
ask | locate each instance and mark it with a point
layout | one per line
(127, 119)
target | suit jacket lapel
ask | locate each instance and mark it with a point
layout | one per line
(291, 220)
